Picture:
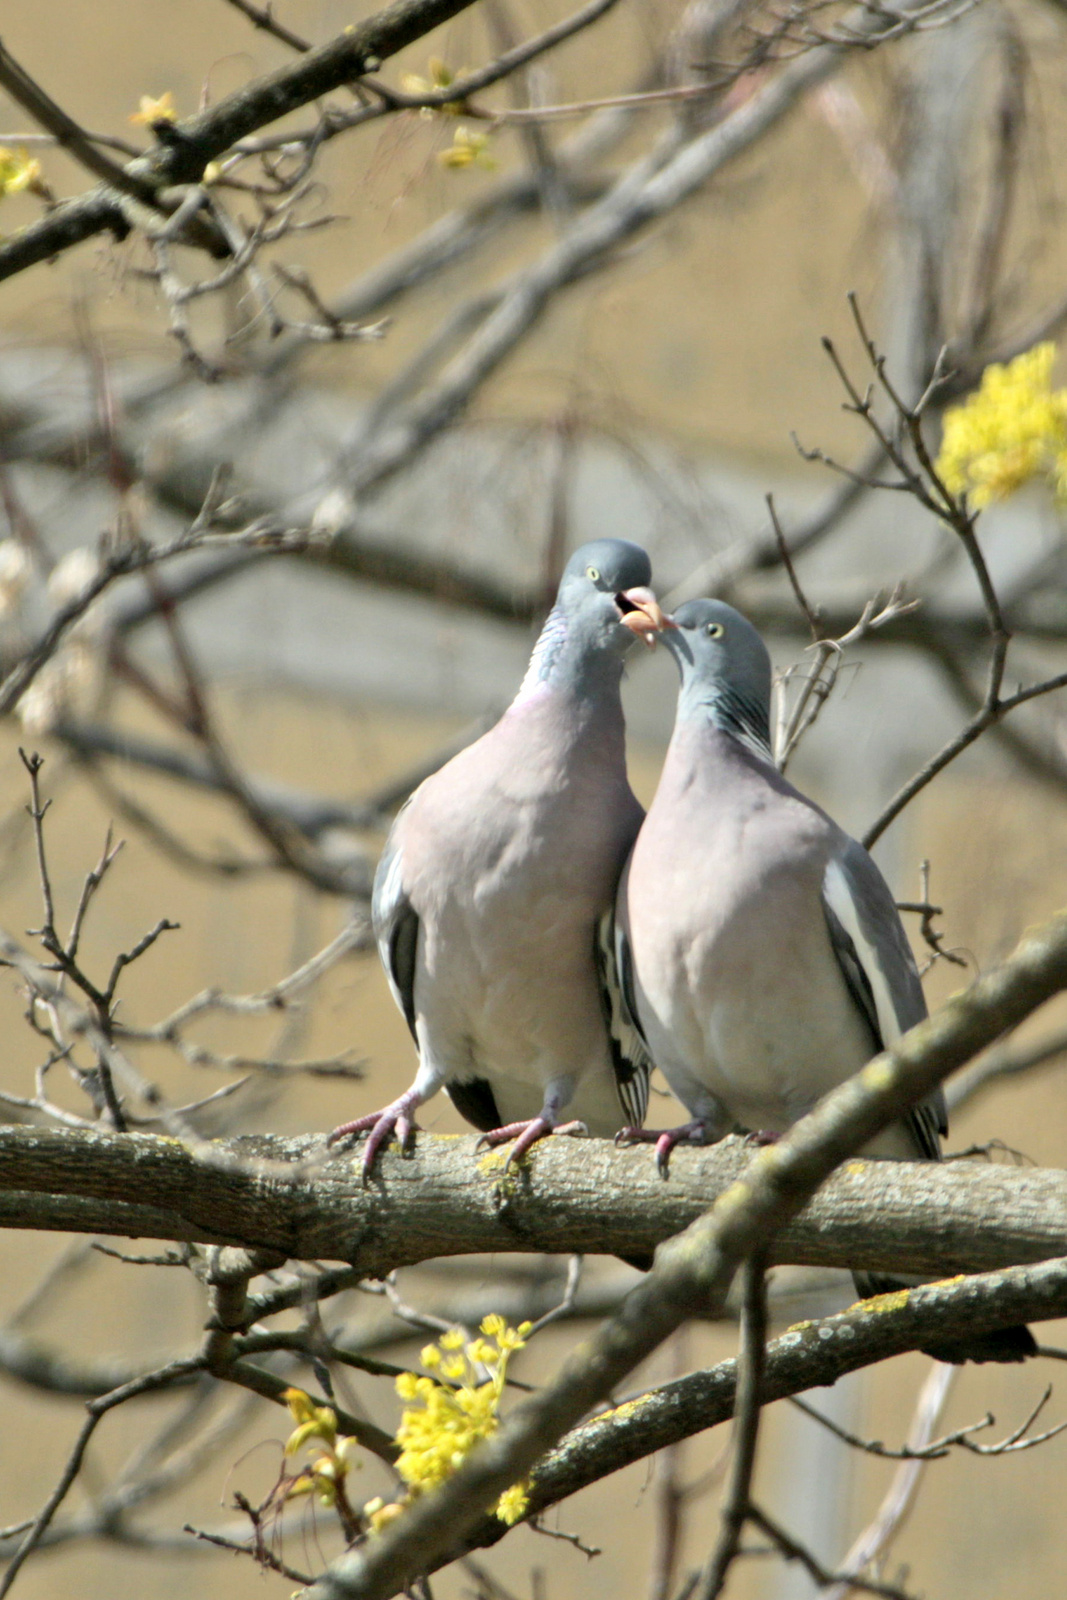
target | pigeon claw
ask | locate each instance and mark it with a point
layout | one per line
(381, 1126)
(526, 1134)
(665, 1139)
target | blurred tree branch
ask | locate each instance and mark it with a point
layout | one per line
(186, 149)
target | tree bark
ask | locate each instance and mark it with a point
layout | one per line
(290, 1196)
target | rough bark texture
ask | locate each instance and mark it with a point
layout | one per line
(447, 1199)
(809, 1355)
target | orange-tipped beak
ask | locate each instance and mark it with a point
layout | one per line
(642, 614)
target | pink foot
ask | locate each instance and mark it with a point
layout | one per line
(396, 1118)
(665, 1139)
(762, 1136)
(526, 1134)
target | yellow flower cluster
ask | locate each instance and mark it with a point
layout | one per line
(153, 109)
(469, 147)
(18, 171)
(1012, 429)
(449, 1412)
(441, 77)
(325, 1474)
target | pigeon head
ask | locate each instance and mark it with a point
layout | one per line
(725, 670)
(605, 587)
(604, 602)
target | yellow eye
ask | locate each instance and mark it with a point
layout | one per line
(713, 630)
(593, 573)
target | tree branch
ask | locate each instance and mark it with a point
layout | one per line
(446, 1199)
(191, 144)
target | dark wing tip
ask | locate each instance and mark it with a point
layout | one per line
(630, 1056)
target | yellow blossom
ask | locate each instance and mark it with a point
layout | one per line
(325, 1474)
(380, 1515)
(513, 1504)
(315, 1422)
(1012, 429)
(152, 110)
(444, 1420)
(440, 77)
(469, 148)
(18, 171)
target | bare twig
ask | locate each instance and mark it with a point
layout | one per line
(737, 1498)
(793, 1550)
(67, 133)
(120, 564)
(570, 1294)
(927, 911)
(875, 1540)
(263, 17)
(259, 1551)
(161, 1378)
(989, 714)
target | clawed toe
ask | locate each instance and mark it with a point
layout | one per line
(665, 1139)
(381, 1127)
(526, 1134)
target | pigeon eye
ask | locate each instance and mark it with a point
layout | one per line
(713, 630)
(593, 573)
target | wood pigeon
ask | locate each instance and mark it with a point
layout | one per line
(759, 948)
(497, 875)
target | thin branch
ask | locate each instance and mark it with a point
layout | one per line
(986, 717)
(151, 1382)
(875, 1540)
(120, 564)
(793, 1550)
(570, 1294)
(750, 1364)
(260, 1553)
(263, 17)
(67, 133)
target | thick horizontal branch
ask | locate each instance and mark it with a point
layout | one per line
(570, 1196)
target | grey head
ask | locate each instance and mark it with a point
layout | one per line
(603, 603)
(725, 670)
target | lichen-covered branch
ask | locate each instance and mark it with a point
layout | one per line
(291, 1196)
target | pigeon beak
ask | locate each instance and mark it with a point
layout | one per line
(642, 614)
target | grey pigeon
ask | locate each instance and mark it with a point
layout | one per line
(497, 874)
(759, 947)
